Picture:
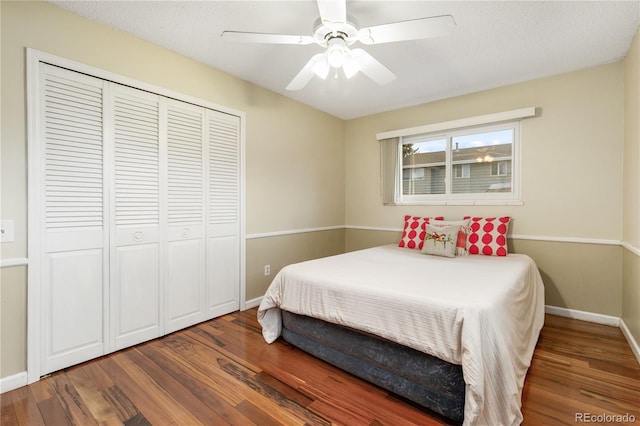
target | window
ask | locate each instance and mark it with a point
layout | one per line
(427, 157)
(472, 164)
(501, 168)
(462, 171)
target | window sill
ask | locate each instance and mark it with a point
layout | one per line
(460, 203)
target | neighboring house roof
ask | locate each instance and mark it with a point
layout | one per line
(460, 155)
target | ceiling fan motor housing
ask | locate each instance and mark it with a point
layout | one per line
(326, 31)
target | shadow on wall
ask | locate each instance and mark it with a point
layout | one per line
(551, 291)
(552, 294)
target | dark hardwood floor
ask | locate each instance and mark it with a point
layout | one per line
(222, 372)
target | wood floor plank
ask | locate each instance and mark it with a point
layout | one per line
(256, 415)
(48, 404)
(191, 392)
(26, 408)
(145, 399)
(267, 397)
(222, 372)
(8, 414)
(202, 363)
(133, 365)
(212, 360)
(101, 409)
(74, 407)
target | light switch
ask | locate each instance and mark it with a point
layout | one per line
(6, 231)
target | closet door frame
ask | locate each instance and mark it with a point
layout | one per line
(35, 190)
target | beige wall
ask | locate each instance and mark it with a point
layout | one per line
(13, 320)
(571, 156)
(571, 179)
(294, 154)
(631, 209)
(283, 250)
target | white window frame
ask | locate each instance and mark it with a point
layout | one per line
(498, 163)
(465, 169)
(449, 197)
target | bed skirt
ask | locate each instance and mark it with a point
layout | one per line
(426, 380)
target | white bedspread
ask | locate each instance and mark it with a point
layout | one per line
(482, 312)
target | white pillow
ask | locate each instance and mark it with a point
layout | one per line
(461, 243)
(441, 240)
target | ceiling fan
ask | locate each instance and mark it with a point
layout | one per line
(334, 32)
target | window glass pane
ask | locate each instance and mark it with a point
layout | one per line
(462, 171)
(488, 157)
(423, 167)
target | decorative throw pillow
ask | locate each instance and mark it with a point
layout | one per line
(488, 236)
(441, 240)
(414, 230)
(461, 243)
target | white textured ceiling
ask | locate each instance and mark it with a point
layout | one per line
(494, 43)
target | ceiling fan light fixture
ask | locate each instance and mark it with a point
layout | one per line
(337, 52)
(350, 67)
(321, 68)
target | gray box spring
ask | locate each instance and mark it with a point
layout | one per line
(426, 380)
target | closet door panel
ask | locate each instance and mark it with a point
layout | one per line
(137, 274)
(74, 321)
(136, 216)
(74, 237)
(222, 260)
(184, 290)
(185, 279)
(223, 224)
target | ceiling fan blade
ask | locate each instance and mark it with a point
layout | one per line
(306, 73)
(371, 67)
(247, 37)
(332, 11)
(435, 26)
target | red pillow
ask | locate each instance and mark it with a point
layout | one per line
(414, 231)
(488, 236)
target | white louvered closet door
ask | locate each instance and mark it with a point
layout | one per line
(74, 251)
(223, 223)
(136, 278)
(140, 215)
(185, 284)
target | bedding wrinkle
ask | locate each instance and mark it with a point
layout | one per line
(482, 312)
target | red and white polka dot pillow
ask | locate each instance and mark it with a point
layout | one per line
(488, 236)
(414, 231)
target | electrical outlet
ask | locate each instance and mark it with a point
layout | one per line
(267, 270)
(6, 231)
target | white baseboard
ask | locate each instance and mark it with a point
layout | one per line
(583, 315)
(635, 348)
(13, 382)
(252, 303)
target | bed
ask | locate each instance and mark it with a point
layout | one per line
(455, 335)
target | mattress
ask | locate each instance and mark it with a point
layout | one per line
(481, 312)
